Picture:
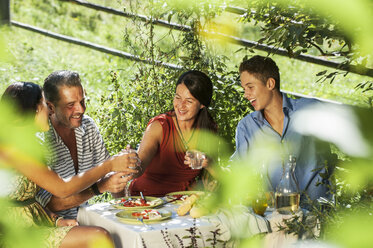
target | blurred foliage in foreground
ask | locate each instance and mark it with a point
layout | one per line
(17, 133)
(13, 234)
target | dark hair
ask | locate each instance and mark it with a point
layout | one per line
(57, 79)
(200, 86)
(262, 68)
(25, 95)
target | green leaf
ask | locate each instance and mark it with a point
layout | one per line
(321, 73)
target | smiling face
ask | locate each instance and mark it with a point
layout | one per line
(69, 110)
(186, 106)
(258, 93)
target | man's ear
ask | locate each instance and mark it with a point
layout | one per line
(271, 83)
(202, 106)
(51, 108)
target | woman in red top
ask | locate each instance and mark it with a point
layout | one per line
(168, 136)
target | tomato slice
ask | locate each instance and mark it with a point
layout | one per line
(136, 214)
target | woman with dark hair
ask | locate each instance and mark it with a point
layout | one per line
(168, 136)
(29, 101)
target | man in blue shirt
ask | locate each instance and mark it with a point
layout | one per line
(273, 118)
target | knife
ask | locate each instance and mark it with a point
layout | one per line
(165, 202)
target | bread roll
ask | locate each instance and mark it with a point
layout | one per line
(191, 199)
(184, 208)
(198, 211)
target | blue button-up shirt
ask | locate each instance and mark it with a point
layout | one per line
(310, 160)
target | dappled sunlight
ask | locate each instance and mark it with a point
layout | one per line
(220, 25)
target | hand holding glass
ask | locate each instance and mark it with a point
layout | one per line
(196, 159)
(134, 152)
(128, 150)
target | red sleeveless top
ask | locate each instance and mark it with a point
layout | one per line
(166, 172)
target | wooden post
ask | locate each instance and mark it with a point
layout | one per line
(4, 11)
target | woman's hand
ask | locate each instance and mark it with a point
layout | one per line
(188, 161)
(66, 222)
(205, 162)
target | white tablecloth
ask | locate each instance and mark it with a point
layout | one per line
(127, 235)
(236, 223)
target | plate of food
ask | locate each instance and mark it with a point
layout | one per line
(136, 202)
(180, 196)
(147, 216)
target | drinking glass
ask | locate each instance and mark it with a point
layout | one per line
(129, 151)
(196, 159)
(137, 166)
(270, 196)
(260, 204)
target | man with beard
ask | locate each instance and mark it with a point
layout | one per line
(75, 142)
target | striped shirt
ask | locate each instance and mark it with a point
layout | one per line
(91, 152)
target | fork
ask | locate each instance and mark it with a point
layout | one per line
(128, 199)
(146, 225)
(142, 196)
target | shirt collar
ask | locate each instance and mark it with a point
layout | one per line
(258, 117)
(78, 131)
(287, 107)
(81, 129)
(287, 104)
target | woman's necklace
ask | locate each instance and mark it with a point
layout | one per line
(185, 143)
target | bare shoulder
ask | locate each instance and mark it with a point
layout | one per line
(154, 132)
(154, 127)
(151, 140)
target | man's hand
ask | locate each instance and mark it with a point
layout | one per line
(114, 183)
(125, 161)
